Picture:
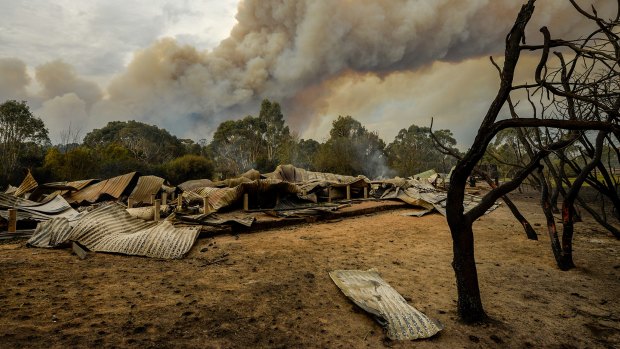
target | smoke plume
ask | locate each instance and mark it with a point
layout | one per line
(299, 53)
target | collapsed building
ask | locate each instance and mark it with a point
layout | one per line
(146, 216)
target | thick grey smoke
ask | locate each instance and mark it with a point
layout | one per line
(291, 51)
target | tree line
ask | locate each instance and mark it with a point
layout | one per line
(260, 142)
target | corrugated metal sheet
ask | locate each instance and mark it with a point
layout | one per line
(110, 228)
(292, 174)
(45, 232)
(370, 292)
(147, 186)
(422, 194)
(10, 190)
(28, 184)
(40, 211)
(216, 220)
(194, 184)
(113, 187)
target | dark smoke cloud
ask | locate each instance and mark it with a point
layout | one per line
(298, 52)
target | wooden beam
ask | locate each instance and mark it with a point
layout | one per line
(329, 194)
(164, 198)
(156, 210)
(348, 192)
(205, 205)
(12, 220)
(179, 202)
(366, 192)
(130, 203)
(246, 202)
(152, 199)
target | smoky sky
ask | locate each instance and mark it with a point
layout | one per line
(187, 66)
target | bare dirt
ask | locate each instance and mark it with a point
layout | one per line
(272, 289)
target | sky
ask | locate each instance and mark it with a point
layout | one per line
(188, 65)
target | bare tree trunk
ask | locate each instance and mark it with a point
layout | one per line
(464, 264)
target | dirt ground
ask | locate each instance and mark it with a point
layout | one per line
(272, 289)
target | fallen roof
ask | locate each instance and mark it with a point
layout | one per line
(292, 174)
(114, 187)
(195, 183)
(110, 228)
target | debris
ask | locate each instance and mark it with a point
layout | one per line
(110, 228)
(79, 250)
(370, 292)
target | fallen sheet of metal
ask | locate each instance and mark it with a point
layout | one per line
(38, 211)
(10, 189)
(113, 187)
(213, 219)
(370, 292)
(422, 194)
(28, 184)
(146, 186)
(110, 228)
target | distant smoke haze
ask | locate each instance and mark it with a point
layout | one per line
(386, 63)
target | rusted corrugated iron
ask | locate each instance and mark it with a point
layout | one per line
(110, 228)
(292, 174)
(28, 184)
(113, 187)
(146, 186)
(195, 183)
(370, 292)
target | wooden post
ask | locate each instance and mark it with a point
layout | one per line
(348, 192)
(156, 210)
(152, 199)
(329, 194)
(12, 220)
(173, 196)
(164, 198)
(366, 192)
(246, 202)
(179, 202)
(205, 205)
(130, 203)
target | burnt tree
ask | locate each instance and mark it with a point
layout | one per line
(580, 94)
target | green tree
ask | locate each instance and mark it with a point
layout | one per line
(74, 164)
(304, 153)
(276, 135)
(414, 151)
(188, 167)
(237, 145)
(146, 143)
(21, 133)
(352, 150)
